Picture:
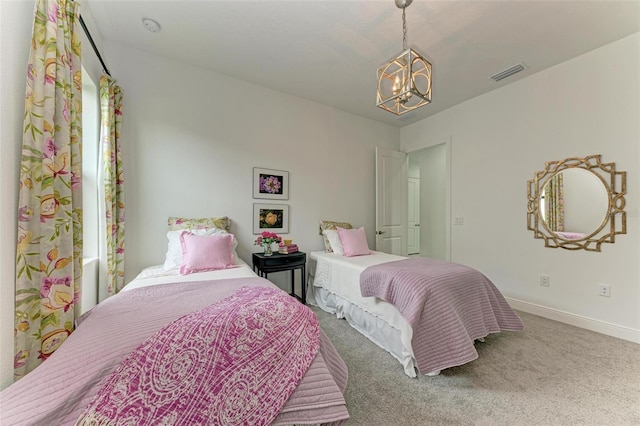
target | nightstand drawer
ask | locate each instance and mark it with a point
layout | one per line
(284, 260)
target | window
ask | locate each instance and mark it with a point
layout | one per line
(90, 200)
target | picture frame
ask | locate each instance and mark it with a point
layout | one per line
(271, 217)
(270, 184)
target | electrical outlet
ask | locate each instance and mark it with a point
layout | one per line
(545, 280)
(604, 290)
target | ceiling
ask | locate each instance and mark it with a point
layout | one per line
(329, 51)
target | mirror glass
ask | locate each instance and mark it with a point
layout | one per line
(574, 203)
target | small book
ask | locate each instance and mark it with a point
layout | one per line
(291, 248)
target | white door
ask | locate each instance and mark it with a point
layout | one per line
(391, 201)
(413, 222)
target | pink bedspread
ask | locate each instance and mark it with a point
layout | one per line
(59, 390)
(448, 306)
(234, 362)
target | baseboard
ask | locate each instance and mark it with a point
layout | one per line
(609, 329)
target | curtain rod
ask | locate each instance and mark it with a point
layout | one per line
(95, 48)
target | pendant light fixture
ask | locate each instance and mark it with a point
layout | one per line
(404, 82)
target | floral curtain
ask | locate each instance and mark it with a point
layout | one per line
(554, 203)
(49, 246)
(113, 182)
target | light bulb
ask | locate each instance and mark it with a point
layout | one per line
(396, 85)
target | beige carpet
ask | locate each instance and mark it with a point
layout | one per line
(550, 374)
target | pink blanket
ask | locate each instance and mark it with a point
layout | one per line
(448, 306)
(59, 390)
(234, 362)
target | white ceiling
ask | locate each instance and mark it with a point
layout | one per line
(329, 51)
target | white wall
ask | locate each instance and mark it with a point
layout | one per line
(191, 138)
(588, 105)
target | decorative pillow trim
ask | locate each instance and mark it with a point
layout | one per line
(176, 223)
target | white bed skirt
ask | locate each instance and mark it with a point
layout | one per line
(373, 327)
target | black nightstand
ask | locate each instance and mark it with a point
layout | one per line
(277, 262)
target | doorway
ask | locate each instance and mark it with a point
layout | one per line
(429, 167)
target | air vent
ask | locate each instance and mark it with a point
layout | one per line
(508, 72)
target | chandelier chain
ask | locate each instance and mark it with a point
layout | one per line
(404, 30)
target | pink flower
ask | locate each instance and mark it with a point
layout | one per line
(56, 293)
(65, 110)
(49, 282)
(267, 238)
(76, 182)
(24, 214)
(20, 359)
(270, 184)
(53, 13)
(49, 148)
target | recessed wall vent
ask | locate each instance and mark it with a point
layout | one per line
(508, 72)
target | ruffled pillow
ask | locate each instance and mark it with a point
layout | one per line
(173, 258)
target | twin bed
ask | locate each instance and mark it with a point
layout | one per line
(210, 347)
(426, 313)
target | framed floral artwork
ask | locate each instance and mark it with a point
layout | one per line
(270, 184)
(271, 217)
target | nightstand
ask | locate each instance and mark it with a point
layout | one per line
(277, 262)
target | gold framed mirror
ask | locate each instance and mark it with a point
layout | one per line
(577, 203)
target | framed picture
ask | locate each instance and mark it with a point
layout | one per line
(270, 184)
(271, 217)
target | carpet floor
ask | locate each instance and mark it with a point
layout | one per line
(549, 374)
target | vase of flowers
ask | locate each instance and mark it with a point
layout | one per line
(266, 239)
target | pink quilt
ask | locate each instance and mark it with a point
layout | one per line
(447, 305)
(59, 390)
(234, 362)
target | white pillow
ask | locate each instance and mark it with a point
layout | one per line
(334, 241)
(173, 259)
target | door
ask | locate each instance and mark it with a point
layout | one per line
(391, 201)
(413, 220)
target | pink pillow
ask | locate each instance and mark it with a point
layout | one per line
(354, 241)
(205, 252)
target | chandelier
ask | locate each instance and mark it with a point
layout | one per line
(404, 82)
